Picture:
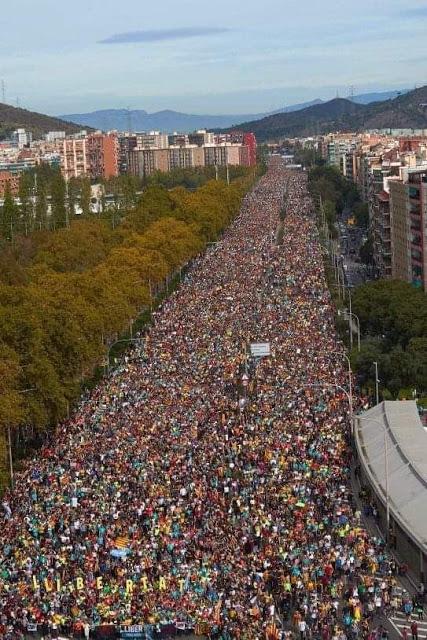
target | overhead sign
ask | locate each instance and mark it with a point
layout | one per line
(260, 349)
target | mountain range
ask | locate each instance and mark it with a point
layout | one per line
(170, 121)
(407, 111)
(167, 120)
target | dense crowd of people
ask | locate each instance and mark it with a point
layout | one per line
(196, 485)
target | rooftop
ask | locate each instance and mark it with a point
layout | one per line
(395, 426)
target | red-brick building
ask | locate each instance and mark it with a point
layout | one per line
(102, 155)
(11, 179)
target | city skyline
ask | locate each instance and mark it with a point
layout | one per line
(223, 59)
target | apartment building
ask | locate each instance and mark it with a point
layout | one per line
(144, 162)
(416, 202)
(152, 140)
(9, 180)
(74, 157)
(127, 143)
(102, 155)
(52, 136)
(399, 220)
(22, 138)
(201, 137)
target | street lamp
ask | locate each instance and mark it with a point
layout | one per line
(349, 315)
(336, 386)
(387, 500)
(117, 342)
(377, 395)
(350, 378)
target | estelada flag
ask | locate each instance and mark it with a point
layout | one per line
(121, 542)
(272, 632)
(201, 629)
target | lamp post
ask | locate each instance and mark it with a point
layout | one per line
(117, 342)
(387, 500)
(336, 386)
(350, 379)
(347, 315)
(377, 394)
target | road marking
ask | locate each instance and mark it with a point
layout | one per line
(393, 625)
(399, 622)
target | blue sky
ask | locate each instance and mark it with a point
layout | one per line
(199, 56)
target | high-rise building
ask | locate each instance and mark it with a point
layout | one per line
(416, 197)
(178, 139)
(201, 137)
(152, 140)
(103, 155)
(399, 220)
(408, 220)
(22, 138)
(381, 234)
(51, 136)
(127, 143)
(74, 160)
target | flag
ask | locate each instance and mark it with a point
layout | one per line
(272, 632)
(121, 542)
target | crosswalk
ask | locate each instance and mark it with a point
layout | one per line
(399, 622)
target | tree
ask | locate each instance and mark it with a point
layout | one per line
(330, 214)
(393, 316)
(85, 196)
(59, 206)
(8, 215)
(11, 409)
(67, 293)
(27, 209)
(361, 213)
(73, 191)
(41, 203)
(366, 251)
(173, 239)
(84, 245)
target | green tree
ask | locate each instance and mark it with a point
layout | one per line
(366, 251)
(58, 204)
(26, 183)
(41, 217)
(8, 220)
(11, 409)
(361, 213)
(85, 196)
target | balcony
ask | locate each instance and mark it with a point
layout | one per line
(416, 256)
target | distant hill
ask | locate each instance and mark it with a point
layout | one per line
(367, 98)
(167, 120)
(408, 111)
(170, 121)
(12, 118)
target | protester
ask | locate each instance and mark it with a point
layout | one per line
(181, 491)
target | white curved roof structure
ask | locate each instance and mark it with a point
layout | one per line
(395, 428)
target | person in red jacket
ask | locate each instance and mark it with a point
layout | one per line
(414, 630)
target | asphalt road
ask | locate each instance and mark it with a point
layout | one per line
(395, 623)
